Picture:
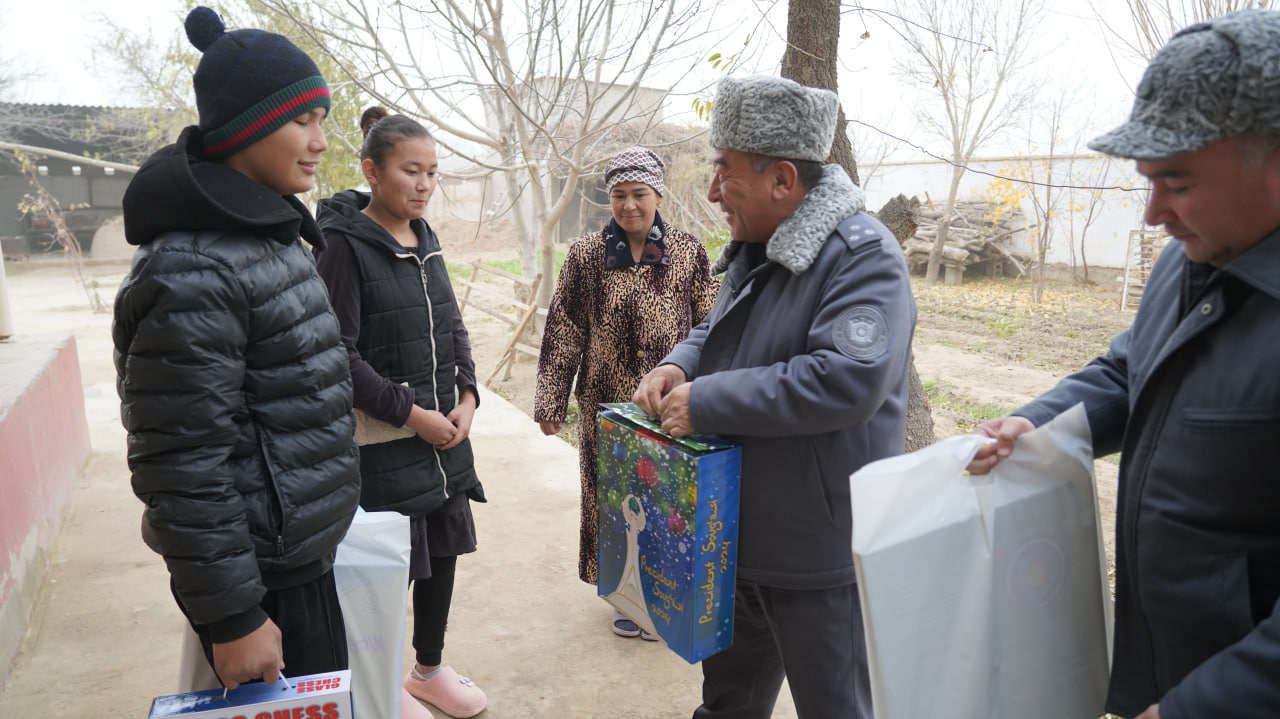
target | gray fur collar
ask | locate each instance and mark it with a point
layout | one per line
(797, 241)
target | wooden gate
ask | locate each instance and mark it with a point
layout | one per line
(1144, 249)
(494, 299)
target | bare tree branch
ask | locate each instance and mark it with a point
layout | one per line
(537, 93)
(970, 54)
(1153, 22)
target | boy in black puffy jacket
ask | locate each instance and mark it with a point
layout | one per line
(233, 379)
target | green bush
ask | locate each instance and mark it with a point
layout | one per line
(715, 242)
(513, 265)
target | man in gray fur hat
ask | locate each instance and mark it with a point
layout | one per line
(803, 361)
(1190, 393)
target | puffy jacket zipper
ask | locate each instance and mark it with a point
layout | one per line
(431, 319)
(269, 467)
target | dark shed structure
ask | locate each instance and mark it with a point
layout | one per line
(89, 195)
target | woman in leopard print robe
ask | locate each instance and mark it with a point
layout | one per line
(626, 295)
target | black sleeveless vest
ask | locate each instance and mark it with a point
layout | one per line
(406, 335)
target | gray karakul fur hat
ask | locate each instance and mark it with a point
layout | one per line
(1214, 79)
(773, 116)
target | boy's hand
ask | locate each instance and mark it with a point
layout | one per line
(256, 655)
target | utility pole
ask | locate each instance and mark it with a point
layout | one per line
(6, 317)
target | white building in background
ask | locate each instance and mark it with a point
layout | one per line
(1118, 211)
(1106, 241)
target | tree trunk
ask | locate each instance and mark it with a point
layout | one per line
(1071, 246)
(810, 59)
(1045, 238)
(813, 36)
(525, 238)
(919, 417)
(546, 264)
(944, 224)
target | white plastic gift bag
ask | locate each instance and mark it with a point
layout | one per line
(372, 574)
(985, 597)
(194, 672)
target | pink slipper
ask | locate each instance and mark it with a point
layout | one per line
(411, 708)
(457, 696)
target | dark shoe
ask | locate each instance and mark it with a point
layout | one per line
(624, 627)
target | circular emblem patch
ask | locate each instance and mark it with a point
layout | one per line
(1037, 572)
(861, 333)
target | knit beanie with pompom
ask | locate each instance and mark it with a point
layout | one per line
(248, 84)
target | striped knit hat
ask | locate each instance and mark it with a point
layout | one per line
(248, 84)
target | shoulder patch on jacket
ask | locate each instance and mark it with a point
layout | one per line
(857, 231)
(861, 332)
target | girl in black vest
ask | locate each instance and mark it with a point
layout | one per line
(414, 377)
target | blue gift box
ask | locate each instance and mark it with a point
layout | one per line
(668, 529)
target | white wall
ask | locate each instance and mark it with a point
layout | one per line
(1107, 238)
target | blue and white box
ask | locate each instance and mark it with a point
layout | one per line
(317, 696)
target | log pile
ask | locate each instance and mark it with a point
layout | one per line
(973, 241)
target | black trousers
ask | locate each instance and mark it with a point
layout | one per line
(312, 633)
(813, 637)
(431, 600)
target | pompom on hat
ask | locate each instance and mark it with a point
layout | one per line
(774, 116)
(635, 164)
(1214, 79)
(248, 84)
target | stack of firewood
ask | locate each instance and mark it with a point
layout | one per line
(973, 239)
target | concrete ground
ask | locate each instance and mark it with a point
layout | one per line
(104, 638)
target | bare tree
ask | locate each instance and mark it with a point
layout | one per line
(813, 37)
(531, 92)
(1155, 21)
(1085, 212)
(968, 53)
(1046, 197)
(872, 150)
(157, 73)
(15, 71)
(1044, 205)
(19, 120)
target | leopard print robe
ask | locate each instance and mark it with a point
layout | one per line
(607, 328)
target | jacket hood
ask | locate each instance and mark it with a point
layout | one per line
(176, 189)
(799, 238)
(343, 213)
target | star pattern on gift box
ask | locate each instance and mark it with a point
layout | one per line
(682, 580)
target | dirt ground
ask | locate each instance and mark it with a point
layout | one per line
(982, 349)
